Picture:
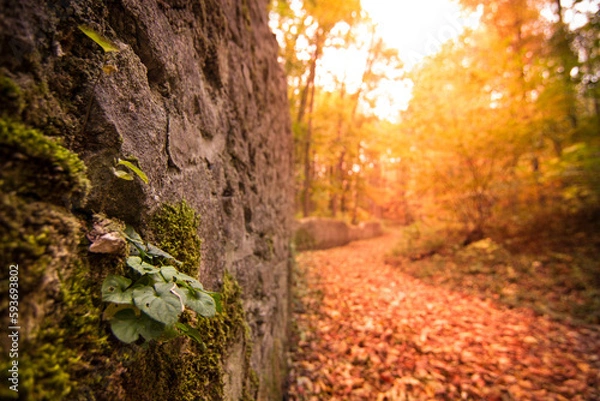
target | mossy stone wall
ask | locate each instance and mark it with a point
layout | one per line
(196, 98)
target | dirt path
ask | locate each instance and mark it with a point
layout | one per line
(366, 331)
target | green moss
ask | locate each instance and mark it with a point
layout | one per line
(37, 167)
(57, 364)
(175, 228)
(33, 234)
(11, 96)
(246, 14)
(150, 371)
(64, 348)
(204, 372)
(251, 385)
(65, 334)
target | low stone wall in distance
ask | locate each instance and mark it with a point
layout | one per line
(324, 233)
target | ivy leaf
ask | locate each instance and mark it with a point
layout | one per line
(217, 298)
(191, 280)
(112, 309)
(104, 43)
(148, 280)
(137, 264)
(127, 326)
(115, 289)
(200, 302)
(134, 168)
(170, 273)
(155, 251)
(191, 333)
(132, 236)
(159, 302)
(149, 329)
(195, 284)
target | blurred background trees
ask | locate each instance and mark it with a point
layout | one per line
(502, 128)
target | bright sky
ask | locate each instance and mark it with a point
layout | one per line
(415, 28)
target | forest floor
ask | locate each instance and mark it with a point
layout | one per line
(370, 330)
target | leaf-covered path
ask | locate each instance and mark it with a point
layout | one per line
(366, 331)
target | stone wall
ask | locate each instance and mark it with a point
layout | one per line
(196, 98)
(324, 233)
(365, 230)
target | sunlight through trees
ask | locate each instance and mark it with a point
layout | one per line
(502, 127)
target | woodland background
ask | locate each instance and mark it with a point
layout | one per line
(488, 182)
(501, 133)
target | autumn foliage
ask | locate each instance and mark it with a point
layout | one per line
(503, 125)
(491, 174)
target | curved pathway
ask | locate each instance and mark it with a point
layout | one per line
(366, 331)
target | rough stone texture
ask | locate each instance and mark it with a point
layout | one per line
(324, 233)
(199, 100)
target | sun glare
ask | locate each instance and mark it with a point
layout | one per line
(415, 29)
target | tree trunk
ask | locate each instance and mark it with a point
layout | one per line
(308, 96)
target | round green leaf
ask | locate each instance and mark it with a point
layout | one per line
(196, 284)
(150, 329)
(158, 253)
(124, 325)
(169, 273)
(127, 326)
(200, 302)
(115, 289)
(133, 236)
(137, 264)
(159, 302)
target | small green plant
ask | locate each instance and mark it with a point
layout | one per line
(133, 168)
(150, 299)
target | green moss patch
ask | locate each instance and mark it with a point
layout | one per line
(62, 338)
(68, 358)
(175, 227)
(11, 96)
(62, 345)
(36, 236)
(205, 371)
(38, 167)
